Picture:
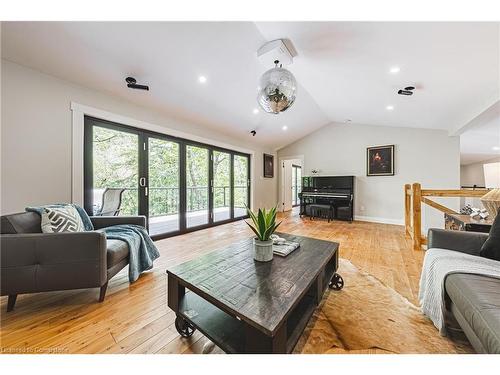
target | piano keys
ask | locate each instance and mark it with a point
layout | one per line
(335, 191)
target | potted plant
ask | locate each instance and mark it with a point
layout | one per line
(264, 224)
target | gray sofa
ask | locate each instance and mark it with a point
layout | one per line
(32, 261)
(472, 301)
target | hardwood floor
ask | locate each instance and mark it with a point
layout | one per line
(134, 318)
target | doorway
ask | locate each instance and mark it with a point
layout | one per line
(290, 182)
(296, 184)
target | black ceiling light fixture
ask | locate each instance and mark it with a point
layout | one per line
(408, 91)
(132, 84)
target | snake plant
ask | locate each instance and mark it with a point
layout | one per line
(264, 223)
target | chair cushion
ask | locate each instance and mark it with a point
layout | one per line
(117, 251)
(477, 298)
(491, 248)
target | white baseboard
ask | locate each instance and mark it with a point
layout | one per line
(382, 220)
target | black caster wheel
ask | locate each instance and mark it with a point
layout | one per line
(184, 328)
(336, 283)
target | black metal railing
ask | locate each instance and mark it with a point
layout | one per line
(165, 200)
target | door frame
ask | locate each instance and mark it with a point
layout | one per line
(297, 167)
(143, 200)
(281, 182)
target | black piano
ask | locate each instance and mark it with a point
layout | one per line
(335, 191)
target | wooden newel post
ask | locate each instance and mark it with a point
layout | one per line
(407, 209)
(417, 216)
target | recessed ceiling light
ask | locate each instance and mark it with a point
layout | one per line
(202, 79)
(496, 148)
(347, 120)
(255, 111)
(395, 69)
(284, 127)
(389, 107)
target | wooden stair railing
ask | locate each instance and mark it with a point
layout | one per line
(415, 196)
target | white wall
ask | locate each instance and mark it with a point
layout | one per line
(430, 157)
(473, 174)
(36, 126)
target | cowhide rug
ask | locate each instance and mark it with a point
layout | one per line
(366, 316)
(369, 317)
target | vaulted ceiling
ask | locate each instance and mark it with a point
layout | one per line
(343, 70)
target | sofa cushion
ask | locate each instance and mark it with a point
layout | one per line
(24, 222)
(117, 251)
(477, 298)
(61, 219)
(491, 248)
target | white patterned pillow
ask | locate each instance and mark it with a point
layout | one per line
(61, 219)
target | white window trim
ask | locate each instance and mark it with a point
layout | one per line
(79, 111)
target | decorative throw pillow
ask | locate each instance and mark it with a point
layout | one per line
(61, 219)
(491, 248)
(87, 223)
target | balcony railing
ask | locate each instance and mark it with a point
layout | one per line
(165, 200)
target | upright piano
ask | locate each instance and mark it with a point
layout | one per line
(335, 191)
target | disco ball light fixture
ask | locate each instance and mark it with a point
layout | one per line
(278, 90)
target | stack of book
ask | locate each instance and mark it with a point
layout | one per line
(282, 247)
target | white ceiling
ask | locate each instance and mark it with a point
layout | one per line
(342, 69)
(481, 140)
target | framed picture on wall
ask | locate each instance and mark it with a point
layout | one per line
(380, 161)
(268, 166)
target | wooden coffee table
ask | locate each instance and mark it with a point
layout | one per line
(245, 306)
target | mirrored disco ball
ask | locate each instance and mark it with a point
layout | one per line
(278, 89)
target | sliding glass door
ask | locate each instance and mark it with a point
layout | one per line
(115, 170)
(241, 179)
(163, 186)
(197, 188)
(221, 165)
(179, 185)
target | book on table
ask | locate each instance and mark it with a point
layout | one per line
(284, 248)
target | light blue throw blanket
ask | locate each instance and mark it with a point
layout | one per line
(141, 248)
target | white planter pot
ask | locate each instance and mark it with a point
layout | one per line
(262, 250)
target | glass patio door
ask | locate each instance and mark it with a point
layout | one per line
(221, 189)
(179, 185)
(111, 187)
(241, 184)
(197, 187)
(163, 191)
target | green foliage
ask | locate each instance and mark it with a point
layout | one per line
(264, 223)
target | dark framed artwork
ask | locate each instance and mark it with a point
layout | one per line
(380, 161)
(268, 166)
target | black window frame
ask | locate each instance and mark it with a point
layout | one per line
(143, 137)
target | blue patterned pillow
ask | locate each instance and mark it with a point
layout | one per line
(87, 223)
(61, 219)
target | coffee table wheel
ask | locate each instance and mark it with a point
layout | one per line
(184, 328)
(336, 282)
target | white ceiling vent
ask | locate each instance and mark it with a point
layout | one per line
(272, 51)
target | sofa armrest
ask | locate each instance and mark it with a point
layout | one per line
(38, 262)
(464, 242)
(100, 222)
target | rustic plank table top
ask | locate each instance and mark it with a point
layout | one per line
(261, 294)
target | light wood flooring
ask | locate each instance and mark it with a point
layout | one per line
(134, 318)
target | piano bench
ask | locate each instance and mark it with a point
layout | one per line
(321, 211)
